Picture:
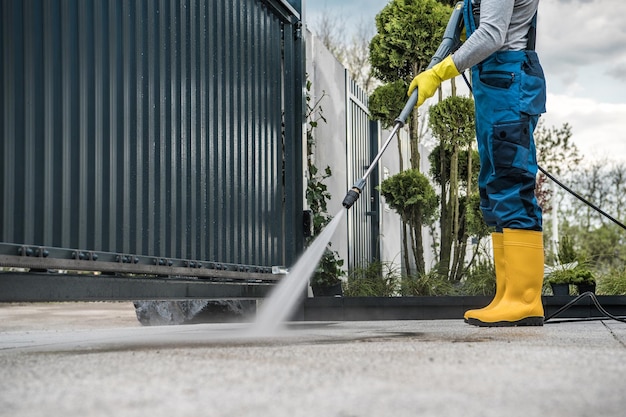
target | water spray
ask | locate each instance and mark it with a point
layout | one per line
(451, 41)
(281, 303)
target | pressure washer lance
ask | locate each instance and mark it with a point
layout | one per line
(451, 41)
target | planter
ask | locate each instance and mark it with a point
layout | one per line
(583, 288)
(327, 290)
(560, 289)
(436, 307)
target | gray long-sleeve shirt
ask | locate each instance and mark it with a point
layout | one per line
(504, 26)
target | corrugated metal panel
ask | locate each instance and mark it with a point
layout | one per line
(160, 128)
(363, 216)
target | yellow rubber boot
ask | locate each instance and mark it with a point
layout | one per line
(498, 260)
(521, 302)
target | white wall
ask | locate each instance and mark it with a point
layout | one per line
(328, 75)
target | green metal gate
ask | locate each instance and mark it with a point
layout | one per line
(163, 133)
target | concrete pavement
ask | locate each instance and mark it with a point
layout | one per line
(343, 369)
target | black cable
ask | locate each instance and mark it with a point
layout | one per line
(595, 302)
(467, 83)
(582, 319)
(596, 208)
(589, 294)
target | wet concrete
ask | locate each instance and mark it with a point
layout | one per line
(372, 368)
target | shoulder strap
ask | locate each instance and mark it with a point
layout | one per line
(532, 34)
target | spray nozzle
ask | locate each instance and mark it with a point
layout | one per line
(350, 198)
(354, 193)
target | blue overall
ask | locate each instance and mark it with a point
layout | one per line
(509, 94)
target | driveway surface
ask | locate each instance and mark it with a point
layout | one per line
(94, 359)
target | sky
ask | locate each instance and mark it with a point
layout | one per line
(582, 47)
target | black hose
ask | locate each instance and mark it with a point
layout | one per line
(595, 302)
(596, 208)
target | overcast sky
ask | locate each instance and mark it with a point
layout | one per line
(582, 46)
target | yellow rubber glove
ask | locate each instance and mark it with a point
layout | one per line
(429, 81)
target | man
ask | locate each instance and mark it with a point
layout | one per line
(509, 94)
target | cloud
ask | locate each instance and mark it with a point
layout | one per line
(573, 34)
(617, 70)
(597, 128)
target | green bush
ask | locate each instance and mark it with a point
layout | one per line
(561, 276)
(480, 279)
(566, 253)
(378, 279)
(583, 275)
(430, 283)
(580, 274)
(328, 271)
(613, 283)
(410, 194)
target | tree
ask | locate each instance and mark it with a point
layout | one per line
(356, 57)
(330, 32)
(386, 102)
(452, 122)
(556, 153)
(410, 194)
(596, 237)
(408, 34)
(450, 3)
(617, 199)
(353, 53)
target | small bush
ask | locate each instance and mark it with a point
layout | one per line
(613, 283)
(378, 279)
(561, 276)
(580, 274)
(480, 279)
(328, 271)
(430, 283)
